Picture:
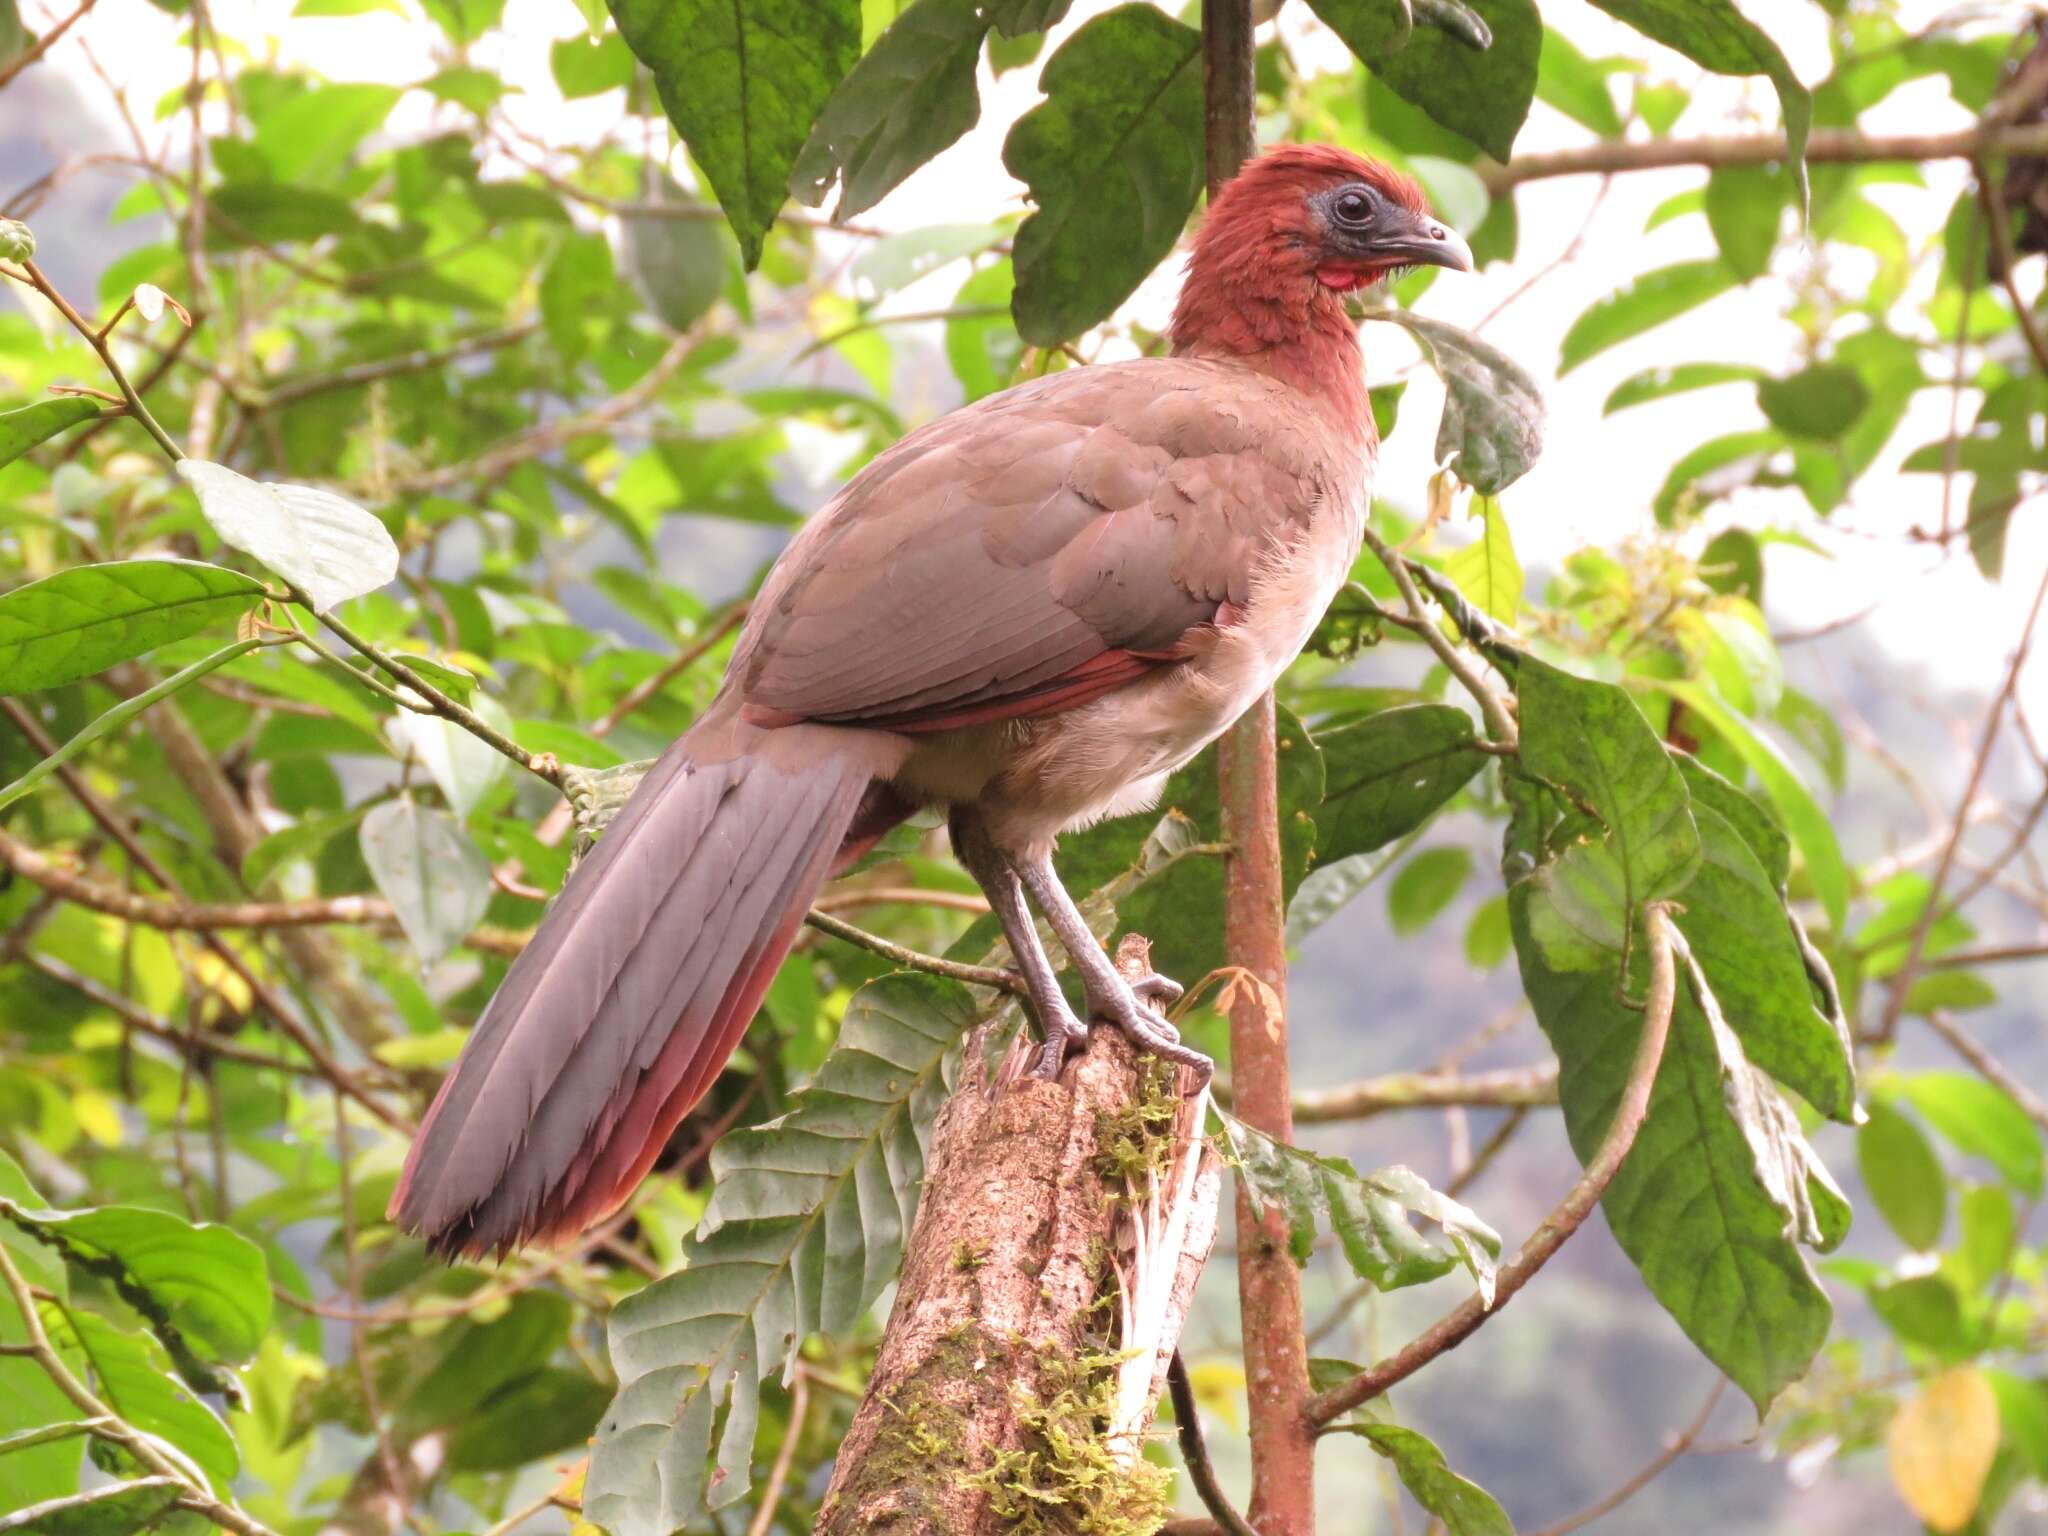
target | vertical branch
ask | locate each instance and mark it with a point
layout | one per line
(1254, 931)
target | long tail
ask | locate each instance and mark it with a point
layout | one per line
(637, 987)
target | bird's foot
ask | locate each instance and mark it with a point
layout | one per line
(1126, 1005)
(1064, 1034)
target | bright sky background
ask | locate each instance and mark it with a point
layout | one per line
(1598, 475)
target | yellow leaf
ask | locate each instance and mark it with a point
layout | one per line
(98, 1116)
(1219, 1387)
(1941, 1446)
(1486, 570)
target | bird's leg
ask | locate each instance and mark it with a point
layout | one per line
(1109, 994)
(1063, 1031)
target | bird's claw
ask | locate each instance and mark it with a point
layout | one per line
(1146, 1028)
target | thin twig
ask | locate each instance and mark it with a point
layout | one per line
(1510, 1087)
(1971, 1049)
(1194, 1451)
(1675, 1446)
(973, 975)
(43, 44)
(648, 687)
(778, 1474)
(103, 346)
(1498, 723)
(1992, 196)
(1634, 1107)
(1916, 948)
(1825, 147)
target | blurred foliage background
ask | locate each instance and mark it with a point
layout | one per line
(449, 260)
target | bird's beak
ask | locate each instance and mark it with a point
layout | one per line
(1423, 241)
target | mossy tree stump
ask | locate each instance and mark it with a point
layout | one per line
(1057, 1243)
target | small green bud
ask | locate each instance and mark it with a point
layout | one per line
(17, 242)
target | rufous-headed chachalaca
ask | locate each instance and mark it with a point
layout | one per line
(1029, 612)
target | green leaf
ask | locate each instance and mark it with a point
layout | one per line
(323, 544)
(1481, 94)
(1811, 829)
(1718, 1175)
(272, 213)
(438, 885)
(1389, 773)
(1736, 922)
(1924, 1311)
(2023, 1417)
(1733, 565)
(1463, 1507)
(1113, 158)
(21, 430)
(1492, 426)
(1591, 738)
(1767, 841)
(1369, 1214)
(984, 348)
(546, 1412)
(120, 715)
(806, 1226)
(911, 95)
(1717, 37)
(464, 767)
(1982, 1120)
(1575, 85)
(743, 81)
(1427, 884)
(1642, 305)
(134, 1378)
(589, 66)
(81, 621)
(1486, 570)
(1904, 1177)
(112, 1509)
(678, 264)
(1950, 991)
(1743, 203)
(1675, 379)
(1015, 18)
(1488, 937)
(1812, 725)
(1822, 401)
(204, 1288)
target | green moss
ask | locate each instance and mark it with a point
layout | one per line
(1064, 1480)
(968, 1257)
(1137, 1139)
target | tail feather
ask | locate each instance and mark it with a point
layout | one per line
(621, 1012)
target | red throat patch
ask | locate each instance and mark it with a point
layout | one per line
(1345, 279)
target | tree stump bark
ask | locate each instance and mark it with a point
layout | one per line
(1057, 1243)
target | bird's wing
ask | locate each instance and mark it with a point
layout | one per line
(1037, 548)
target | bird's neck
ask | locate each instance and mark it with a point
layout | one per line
(1291, 329)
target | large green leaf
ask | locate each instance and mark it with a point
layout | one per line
(134, 1378)
(1676, 379)
(1718, 37)
(1461, 1506)
(1822, 401)
(1743, 204)
(1733, 915)
(113, 1509)
(1590, 738)
(1641, 305)
(21, 430)
(1486, 570)
(205, 1288)
(1576, 85)
(743, 81)
(81, 621)
(1809, 825)
(1113, 158)
(1718, 1177)
(1492, 426)
(910, 96)
(1369, 1214)
(1904, 1177)
(1481, 93)
(1980, 1118)
(805, 1227)
(1387, 774)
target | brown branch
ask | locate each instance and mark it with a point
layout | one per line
(1194, 1452)
(290, 391)
(1510, 1087)
(899, 896)
(43, 44)
(1499, 724)
(1675, 1446)
(1466, 1319)
(1827, 146)
(1996, 1072)
(778, 1474)
(648, 687)
(1998, 217)
(973, 975)
(1957, 959)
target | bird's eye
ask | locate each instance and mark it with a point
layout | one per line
(1354, 207)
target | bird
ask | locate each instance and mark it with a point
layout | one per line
(1026, 613)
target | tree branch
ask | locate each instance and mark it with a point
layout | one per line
(1511, 1087)
(1194, 1451)
(43, 44)
(1827, 146)
(1498, 723)
(1634, 1107)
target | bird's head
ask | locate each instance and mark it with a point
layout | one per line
(1299, 226)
